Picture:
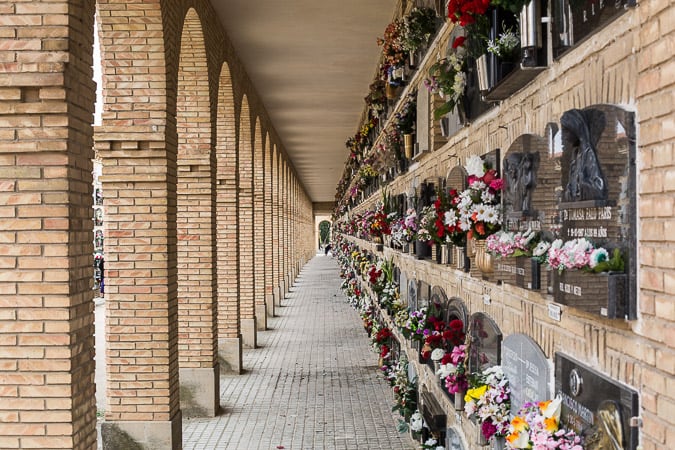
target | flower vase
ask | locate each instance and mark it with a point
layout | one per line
(480, 439)
(483, 73)
(482, 257)
(408, 145)
(459, 400)
(378, 243)
(422, 250)
(439, 254)
(498, 442)
(392, 91)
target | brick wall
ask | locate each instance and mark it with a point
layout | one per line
(625, 64)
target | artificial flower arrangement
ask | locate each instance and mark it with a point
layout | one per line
(425, 223)
(479, 205)
(488, 401)
(506, 244)
(401, 234)
(379, 223)
(367, 172)
(418, 27)
(447, 78)
(506, 45)
(581, 254)
(432, 444)
(412, 325)
(537, 426)
(439, 336)
(405, 398)
(453, 370)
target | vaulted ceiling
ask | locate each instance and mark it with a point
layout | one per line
(311, 62)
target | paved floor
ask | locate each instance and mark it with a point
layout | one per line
(312, 384)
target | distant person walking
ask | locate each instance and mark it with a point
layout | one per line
(326, 249)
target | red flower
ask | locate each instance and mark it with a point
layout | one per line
(458, 42)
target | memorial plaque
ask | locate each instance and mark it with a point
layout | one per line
(412, 295)
(527, 369)
(423, 294)
(596, 406)
(575, 20)
(521, 271)
(598, 196)
(456, 310)
(486, 342)
(531, 180)
(438, 298)
(403, 287)
(453, 439)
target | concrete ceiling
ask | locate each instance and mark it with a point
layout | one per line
(311, 63)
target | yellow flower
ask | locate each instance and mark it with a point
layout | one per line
(519, 439)
(519, 424)
(551, 424)
(475, 393)
(551, 408)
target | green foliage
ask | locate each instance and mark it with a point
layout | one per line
(324, 232)
(613, 264)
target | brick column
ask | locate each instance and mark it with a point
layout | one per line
(141, 290)
(276, 243)
(246, 228)
(258, 229)
(227, 229)
(196, 165)
(269, 232)
(46, 309)
(287, 229)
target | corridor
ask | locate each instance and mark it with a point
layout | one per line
(312, 384)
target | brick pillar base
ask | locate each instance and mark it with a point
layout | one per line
(230, 355)
(261, 316)
(249, 333)
(277, 296)
(269, 302)
(146, 435)
(200, 391)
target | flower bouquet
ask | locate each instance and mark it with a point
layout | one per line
(582, 254)
(537, 426)
(488, 401)
(447, 78)
(479, 205)
(504, 244)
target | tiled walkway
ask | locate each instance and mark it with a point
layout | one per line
(312, 384)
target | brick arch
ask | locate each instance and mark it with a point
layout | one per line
(259, 219)
(135, 95)
(195, 222)
(246, 227)
(227, 220)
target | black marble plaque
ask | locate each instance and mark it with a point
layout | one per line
(531, 179)
(486, 342)
(596, 406)
(575, 20)
(598, 189)
(527, 369)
